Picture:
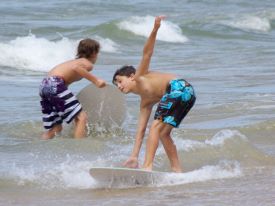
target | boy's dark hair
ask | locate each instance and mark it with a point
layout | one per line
(87, 47)
(124, 71)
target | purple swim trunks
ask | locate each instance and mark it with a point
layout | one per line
(57, 102)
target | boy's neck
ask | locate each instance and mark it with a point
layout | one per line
(135, 89)
(91, 60)
(132, 88)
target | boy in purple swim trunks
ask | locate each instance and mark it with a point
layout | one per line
(57, 101)
(175, 97)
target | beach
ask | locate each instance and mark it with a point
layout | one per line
(226, 144)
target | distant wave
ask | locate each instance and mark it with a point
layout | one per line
(107, 45)
(250, 23)
(142, 26)
(39, 54)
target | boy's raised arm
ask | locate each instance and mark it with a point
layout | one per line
(149, 48)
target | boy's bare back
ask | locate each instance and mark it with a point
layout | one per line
(68, 70)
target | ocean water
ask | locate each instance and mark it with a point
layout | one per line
(226, 144)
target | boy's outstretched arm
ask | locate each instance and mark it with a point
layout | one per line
(144, 115)
(87, 75)
(149, 48)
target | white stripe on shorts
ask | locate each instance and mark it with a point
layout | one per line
(76, 109)
(48, 124)
(62, 94)
(67, 101)
(48, 115)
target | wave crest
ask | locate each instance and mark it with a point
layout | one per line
(142, 26)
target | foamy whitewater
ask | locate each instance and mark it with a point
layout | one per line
(226, 144)
(18, 53)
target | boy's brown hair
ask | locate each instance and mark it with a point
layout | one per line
(87, 47)
(126, 70)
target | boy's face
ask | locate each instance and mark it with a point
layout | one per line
(124, 83)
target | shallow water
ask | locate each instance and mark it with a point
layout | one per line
(226, 144)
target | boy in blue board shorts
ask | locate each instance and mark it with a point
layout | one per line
(58, 103)
(175, 98)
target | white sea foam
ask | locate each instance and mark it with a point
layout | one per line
(21, 175)
(218, 140)
(75, 174)
(225, 169)
(223, 135)
(142, 26)
(69, 174)
(33, 53)
(39, 54)
(107, 44)
(250, 23)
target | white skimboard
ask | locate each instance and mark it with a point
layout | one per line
(105, 106)
(113, 177)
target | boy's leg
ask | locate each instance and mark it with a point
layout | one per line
(51, 132)
(170, 148)
(152, 144)
(81, 120)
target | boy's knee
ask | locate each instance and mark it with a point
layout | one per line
(156, 125)
(82, 117)
(164, 134)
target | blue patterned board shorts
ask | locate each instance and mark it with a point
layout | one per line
(176, 102)
(57, 102)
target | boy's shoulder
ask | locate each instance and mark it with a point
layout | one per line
(83, 62)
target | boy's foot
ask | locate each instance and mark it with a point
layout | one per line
(147, 169)
(177, 170)
(48, 135)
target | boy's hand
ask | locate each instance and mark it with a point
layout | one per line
(158, 21)
(100, 83)
(132, 162)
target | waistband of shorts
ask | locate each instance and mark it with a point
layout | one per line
(55, 78)
(187, 84)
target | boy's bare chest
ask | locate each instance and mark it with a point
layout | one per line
(151, 94)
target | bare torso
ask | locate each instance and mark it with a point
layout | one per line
(152, 86)
(67, 71)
